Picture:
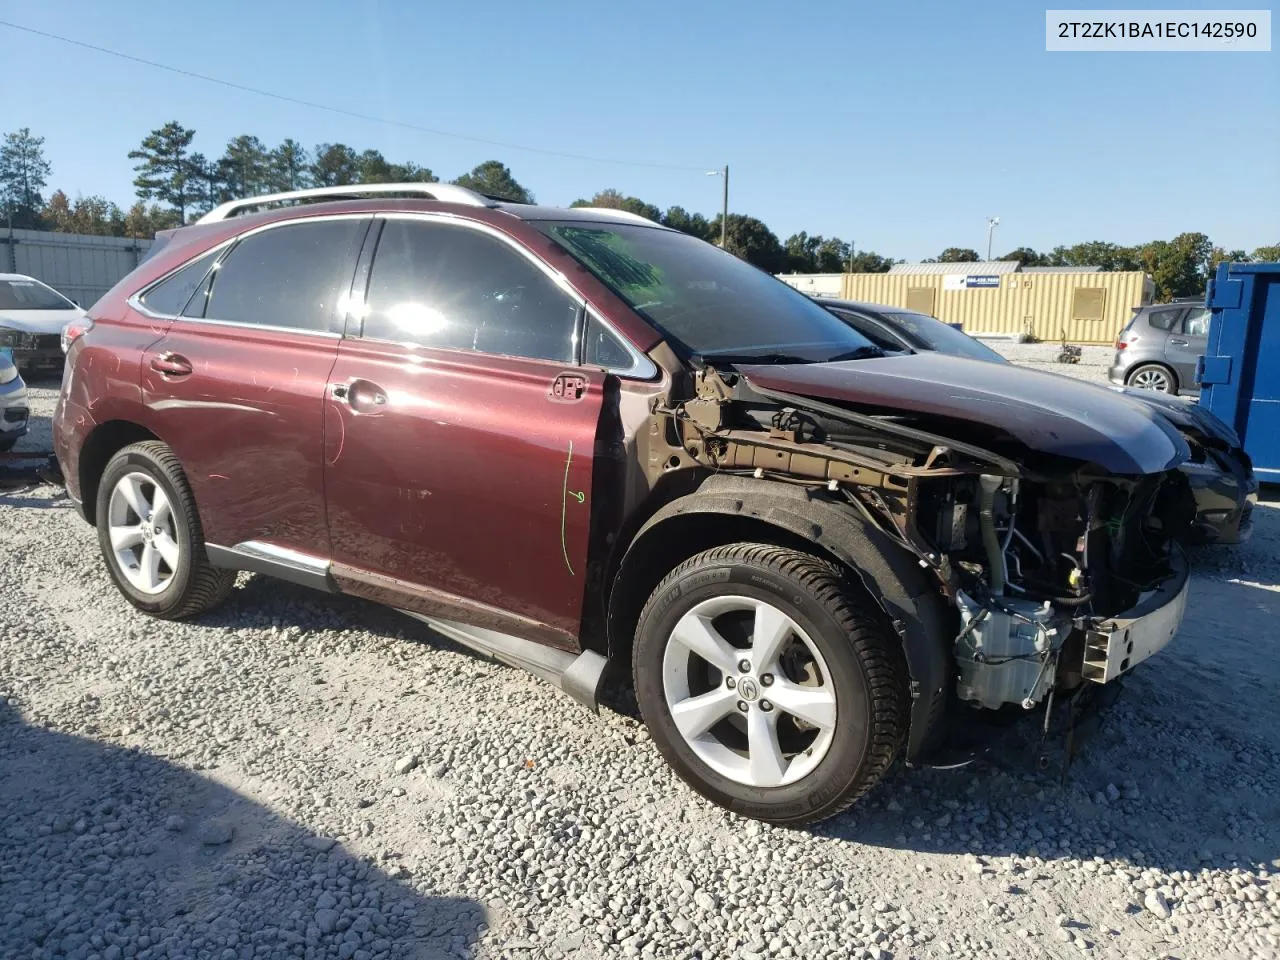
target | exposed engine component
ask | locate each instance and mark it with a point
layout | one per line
(1006, 653)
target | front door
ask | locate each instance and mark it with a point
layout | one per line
(1186, 345)
(236, 384)
(460, 435)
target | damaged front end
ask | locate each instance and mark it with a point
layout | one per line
(1061, 572)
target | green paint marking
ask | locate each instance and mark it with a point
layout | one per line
(580, 496)
(564, 511)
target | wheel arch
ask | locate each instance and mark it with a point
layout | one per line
(103, 443)
(729, 509)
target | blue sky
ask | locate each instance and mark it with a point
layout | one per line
(901, 126)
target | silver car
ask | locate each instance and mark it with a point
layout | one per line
(1159, 348)
(13, 403)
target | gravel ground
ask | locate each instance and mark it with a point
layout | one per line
(1093, 365)
(300, 776)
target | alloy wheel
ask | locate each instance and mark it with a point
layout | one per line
(1152, 378)
(143, 535)
(749, 691)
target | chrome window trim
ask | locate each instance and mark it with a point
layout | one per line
(641, 367)
(224, 248)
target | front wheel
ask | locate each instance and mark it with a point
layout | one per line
(770, 683)
(151, 537)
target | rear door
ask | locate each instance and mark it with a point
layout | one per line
(236, 384)
(461, 433)
(1186, 344)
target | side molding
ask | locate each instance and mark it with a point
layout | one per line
(279, 562)
(579, 675)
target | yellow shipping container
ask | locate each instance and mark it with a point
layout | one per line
(1090, 307)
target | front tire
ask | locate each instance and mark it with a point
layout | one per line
(770, 682)
(150, 535)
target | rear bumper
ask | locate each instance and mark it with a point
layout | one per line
(1121, 363)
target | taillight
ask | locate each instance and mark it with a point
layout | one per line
(1120, 344)
(74, 330)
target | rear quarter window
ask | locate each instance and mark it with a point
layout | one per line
(169, 296)
(1164, 319)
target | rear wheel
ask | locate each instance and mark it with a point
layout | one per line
(1152, 376)
(150, 535)
(769, 682)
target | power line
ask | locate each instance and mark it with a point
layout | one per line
(339, 110)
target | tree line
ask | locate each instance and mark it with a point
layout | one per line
(175, 183)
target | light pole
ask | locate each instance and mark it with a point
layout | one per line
(724, 214)
(992, 223)
(853, 246)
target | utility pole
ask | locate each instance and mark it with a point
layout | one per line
(853, 246)
(724, 212)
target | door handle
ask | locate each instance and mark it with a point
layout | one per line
(362, 396)
(171, 365)
(1178, 342)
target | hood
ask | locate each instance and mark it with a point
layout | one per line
(1048, 414)
(1184, 414)
(38, 321)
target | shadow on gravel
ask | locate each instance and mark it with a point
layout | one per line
(24, 501)
(109, 852)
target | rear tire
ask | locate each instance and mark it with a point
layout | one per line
(1153, 376)
(821, 709)
(151, 538)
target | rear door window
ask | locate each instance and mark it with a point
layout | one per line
(439, 285)
(1196, 323)
(290, 276)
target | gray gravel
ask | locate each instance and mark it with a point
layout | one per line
(300, 776)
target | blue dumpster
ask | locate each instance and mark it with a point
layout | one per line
(1239, 373)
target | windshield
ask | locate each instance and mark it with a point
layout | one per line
(708, 303)
(936, 335)
(30, 295)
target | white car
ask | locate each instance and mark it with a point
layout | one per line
(32, 317)
(13, 404)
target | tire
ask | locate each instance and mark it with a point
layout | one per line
(1153, 376)
(170, 576)
(840, 665)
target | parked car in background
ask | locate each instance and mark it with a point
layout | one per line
(32, 317)
(13, 403)
(1220, 471)
(572, 438)
(1159, 347)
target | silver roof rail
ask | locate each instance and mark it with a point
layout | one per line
(444, 192)
(624, 214)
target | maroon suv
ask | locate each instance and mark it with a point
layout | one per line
(574, 439)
